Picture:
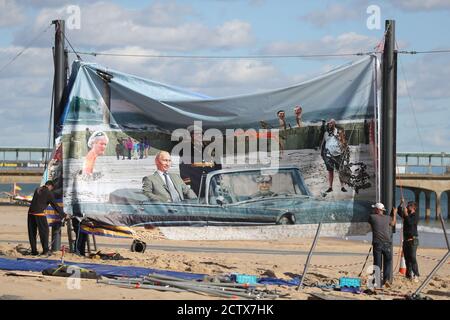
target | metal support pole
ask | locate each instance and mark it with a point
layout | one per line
(439, 265)
(388, 119)
(60, 72)
(300, 286)
(59, 83)
(445, 231)
(432, 273)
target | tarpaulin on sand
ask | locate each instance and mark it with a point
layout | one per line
(38, 265)
(302, 154)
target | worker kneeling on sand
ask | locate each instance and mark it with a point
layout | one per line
(37, 220)
(382, 240)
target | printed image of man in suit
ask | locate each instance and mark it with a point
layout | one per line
(163, 186)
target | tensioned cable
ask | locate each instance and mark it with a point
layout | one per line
(160, 56)
(24, 49)
(73, 49)
(423, 52)
(325, 55)
(411, 103)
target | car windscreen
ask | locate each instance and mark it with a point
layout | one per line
(241, 186)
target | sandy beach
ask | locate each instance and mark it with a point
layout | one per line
(283, 259)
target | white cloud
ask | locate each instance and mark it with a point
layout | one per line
(438, 138)
(349, 42)
(32, 63)
(160, 26)
(11, 13)
(48, 3)
(332, 13)
(421, 5)
(426, 76)
(25, 88)
(210, 77)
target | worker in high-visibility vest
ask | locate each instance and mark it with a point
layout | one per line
(37, 220)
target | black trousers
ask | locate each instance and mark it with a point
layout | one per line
(409, 252)
(81, 238)
(36, 223)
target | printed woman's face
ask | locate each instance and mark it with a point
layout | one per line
(100, 146)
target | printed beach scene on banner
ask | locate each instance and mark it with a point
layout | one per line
(303, 154)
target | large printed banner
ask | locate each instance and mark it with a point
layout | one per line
(142, 153)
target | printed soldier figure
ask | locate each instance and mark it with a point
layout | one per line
(200, 164)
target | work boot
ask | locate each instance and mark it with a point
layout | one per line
(329, 190)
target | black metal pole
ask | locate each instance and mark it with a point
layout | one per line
(388, 118)
(60, 79)
(439, 265)
(430, 276)
(300, 285)
(60, 73)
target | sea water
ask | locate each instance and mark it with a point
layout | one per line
(26, 188)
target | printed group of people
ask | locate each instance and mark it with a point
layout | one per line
(281, 114)
(132, 148)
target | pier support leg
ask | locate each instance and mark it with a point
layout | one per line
(417, 200)
(427, 205)
(438, 204)
(448, 205)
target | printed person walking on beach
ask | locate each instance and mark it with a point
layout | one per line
(381, 225)
(332, 152)
(129, 147)
(146, 147)
(120, 152)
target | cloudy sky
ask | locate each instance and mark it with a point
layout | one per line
(225, 27)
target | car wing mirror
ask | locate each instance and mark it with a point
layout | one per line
(220, 200)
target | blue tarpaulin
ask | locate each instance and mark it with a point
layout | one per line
(107, 270)
(38, 265)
